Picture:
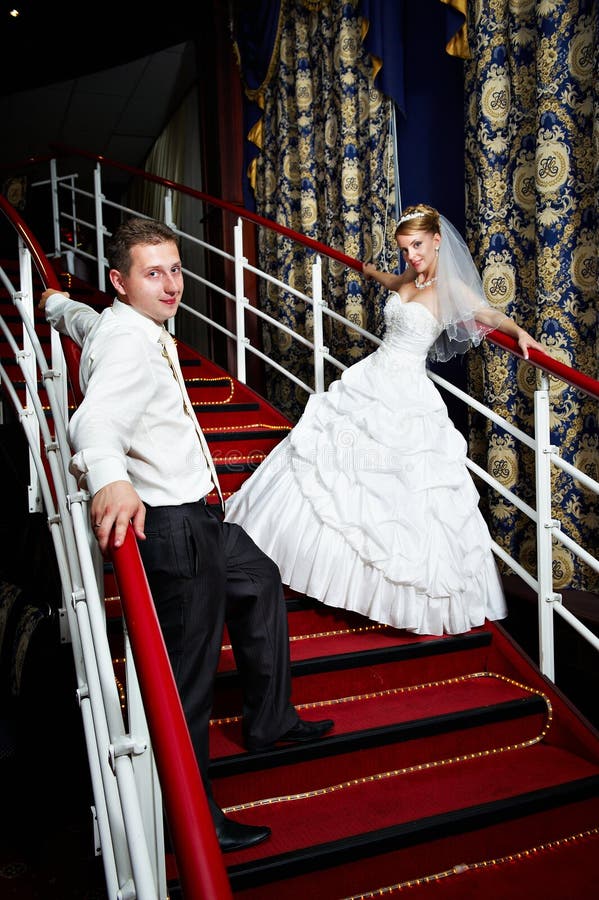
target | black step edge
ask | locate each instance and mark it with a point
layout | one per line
(224, 407)
(301, 603)
(351, 741)
(21, 385)
(235, 468)
(246, 435)
(417, 650)
(409, 834)
(14, 317)
(10, 360)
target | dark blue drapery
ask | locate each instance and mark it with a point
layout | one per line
(425, 82)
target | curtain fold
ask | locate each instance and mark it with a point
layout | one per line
(457, 28)
(384, 35)
(326, 170)
(255, 31)
(532, 123)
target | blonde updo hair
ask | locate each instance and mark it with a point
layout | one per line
(419, 217)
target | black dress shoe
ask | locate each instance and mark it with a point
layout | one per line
(304, 731)
(301, 733)
(235, 836)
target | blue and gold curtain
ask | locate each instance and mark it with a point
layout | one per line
(322, 75)
(532, 167)
(325, 146)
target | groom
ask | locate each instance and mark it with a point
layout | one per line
(137, 452)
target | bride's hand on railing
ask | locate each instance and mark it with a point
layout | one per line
(526, 342)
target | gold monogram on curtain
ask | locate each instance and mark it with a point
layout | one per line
(532, 202)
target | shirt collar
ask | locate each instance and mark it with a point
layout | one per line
(129, 314)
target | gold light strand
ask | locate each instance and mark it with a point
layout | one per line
(320, 634)
(236, 428)
(341, 631)
(225, 379)
(460, 868)
(375, 695)
(212, 402)
(255, 457)
(385, 776)
(120, 687)
(456, 679)
(412, 688)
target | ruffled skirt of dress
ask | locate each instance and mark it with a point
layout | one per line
(367, 505)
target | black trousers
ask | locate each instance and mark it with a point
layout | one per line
(202, 571)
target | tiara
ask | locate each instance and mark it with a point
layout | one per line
(412, 215)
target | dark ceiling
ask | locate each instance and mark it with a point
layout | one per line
(102, 77)
(50, 42)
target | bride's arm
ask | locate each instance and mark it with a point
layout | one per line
(486, 315)
(389, 280)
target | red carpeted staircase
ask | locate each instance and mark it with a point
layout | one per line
(451, 760)
(454, 770)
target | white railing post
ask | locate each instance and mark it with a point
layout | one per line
(545, 526)
(240, 302)
(55, 207)
(168, 208)
(169, 220)
(317, 329)
(71, 254)
(29, 362)
(98, 200)
(59, 366)
(146, 776)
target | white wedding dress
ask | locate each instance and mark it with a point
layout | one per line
(368, 505)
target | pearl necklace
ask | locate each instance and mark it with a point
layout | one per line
(421, 285)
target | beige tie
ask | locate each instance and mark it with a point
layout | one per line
(169, 351)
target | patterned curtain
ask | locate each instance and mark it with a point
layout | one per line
(532, 178)
(325, 170)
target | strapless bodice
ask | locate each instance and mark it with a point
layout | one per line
(409, 327)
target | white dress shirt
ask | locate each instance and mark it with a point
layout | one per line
(131, 425)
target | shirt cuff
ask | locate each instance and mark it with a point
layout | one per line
(99, 474)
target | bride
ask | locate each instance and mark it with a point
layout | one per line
(367, 504)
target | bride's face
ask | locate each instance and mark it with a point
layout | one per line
(419, 250)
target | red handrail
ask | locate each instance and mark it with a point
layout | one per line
(549, 365)
(39, 259)
(199, 859)
(541, 360)
(246, 214)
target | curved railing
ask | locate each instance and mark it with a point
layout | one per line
(542, 361)
(111, 749)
